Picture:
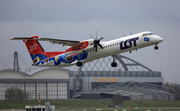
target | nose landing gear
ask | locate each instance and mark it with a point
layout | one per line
(156, 47)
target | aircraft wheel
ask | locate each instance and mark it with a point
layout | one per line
(79, 63)
(113, 64)
(156, 47)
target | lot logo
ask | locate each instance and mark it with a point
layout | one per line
(146, 39)
(128, 43)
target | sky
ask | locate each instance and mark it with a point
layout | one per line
(76, 19)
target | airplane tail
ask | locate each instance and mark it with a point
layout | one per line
(35, 49)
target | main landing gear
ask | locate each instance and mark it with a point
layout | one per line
(156, 47)
(79, 63)
(114, 64)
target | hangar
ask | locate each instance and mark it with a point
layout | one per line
(52, 83)
(70, 82)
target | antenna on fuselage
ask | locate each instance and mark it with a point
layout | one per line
(130, 32)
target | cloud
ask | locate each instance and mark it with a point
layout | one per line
(75, 20)
(79, 10)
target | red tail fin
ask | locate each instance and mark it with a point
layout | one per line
(35, 49)
(33, 46)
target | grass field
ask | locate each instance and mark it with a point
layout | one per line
(88, 104)
(152, 103)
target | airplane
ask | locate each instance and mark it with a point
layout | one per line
(80, 52)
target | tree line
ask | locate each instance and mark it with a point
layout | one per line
(175, 89)
(15, 93)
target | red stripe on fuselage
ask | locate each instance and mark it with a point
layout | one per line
(78, 47)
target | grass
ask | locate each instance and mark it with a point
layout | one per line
(86, 103)
(152, 103)
(57, 103)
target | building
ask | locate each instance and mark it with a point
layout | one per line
(70, 82)
(52, 83)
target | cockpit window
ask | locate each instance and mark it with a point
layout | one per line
(150, 33)
(146, 34)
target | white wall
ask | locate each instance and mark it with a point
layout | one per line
(11, 74)
(54, 73)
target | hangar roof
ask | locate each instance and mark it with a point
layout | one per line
(12, 74)
(49, 73)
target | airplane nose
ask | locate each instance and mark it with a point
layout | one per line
(156, 39)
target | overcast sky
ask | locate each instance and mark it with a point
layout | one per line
(76, 19)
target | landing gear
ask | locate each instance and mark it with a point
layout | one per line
(114, 64)
(155, 47)
(79, 63)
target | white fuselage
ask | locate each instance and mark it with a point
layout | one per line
(114, 47)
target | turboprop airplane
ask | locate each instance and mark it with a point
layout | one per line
(80, 52)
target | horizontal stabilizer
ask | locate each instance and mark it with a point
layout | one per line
(22, 38)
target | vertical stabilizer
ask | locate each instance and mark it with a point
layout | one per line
(35, 49)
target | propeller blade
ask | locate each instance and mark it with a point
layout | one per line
(95, 47)
(101, 38)
(100, 46)
(92, 43)
(96, 34)
(91, 36)
(96, 42)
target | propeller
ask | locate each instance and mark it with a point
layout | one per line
(97, 42)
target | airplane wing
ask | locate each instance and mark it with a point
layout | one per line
(60, 41)
(53, 41)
